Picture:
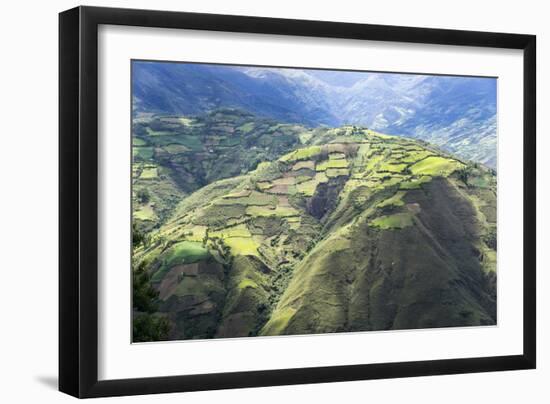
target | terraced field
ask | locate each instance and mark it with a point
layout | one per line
(323, 230)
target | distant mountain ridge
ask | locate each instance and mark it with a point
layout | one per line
(456, 113)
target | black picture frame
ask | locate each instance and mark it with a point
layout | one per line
(78, 201)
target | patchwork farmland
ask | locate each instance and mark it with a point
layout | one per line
(252, 227)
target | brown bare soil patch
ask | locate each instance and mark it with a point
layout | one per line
(174, 277)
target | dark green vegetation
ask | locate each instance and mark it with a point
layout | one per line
(280, 229)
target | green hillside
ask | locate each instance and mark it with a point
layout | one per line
(174, 156)
(282, 229)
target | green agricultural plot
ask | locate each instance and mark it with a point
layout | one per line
(284, 181)
(253, 199)
(145, 213)
(363, 151)
(142, 153)
(185, 252)
(235, 231)
(136, 141)
(302, 154)
(304, 164)
(391, 181)
(395, 200)
(336, 156)
(196, 233)
(247, 127)
(324, 165)
(218, 216)
(305, 137)
(149, 173)
(436, 166)
(152, 132)
(337, 172)
(303, 178)
(191, 142)
(242, 245)
(279, 211)
(264, 185)
(416, 155)
(396, 221)
(238, 194)
(381, 135)
(186, 121)
(373, 162)
(176, 148)
(392, 167)
(308, 187)
(415, 183)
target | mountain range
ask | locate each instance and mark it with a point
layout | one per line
(457, 114)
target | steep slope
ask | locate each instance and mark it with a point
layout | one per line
(357, 231)
(456, 113)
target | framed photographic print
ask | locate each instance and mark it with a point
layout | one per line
(251, 201)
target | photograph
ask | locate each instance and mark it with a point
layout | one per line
(250, 201)
(275, 202)
(282, 200)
